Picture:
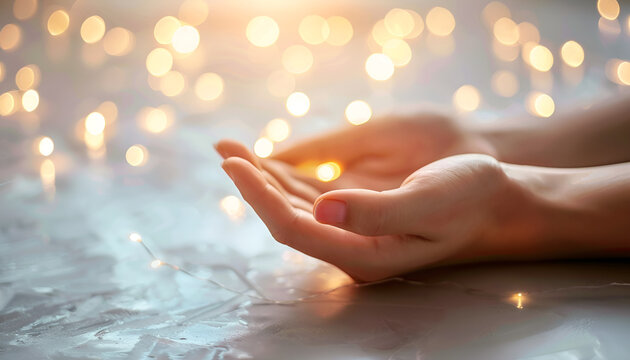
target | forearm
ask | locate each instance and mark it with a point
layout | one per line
(568, 212)
(595, 136)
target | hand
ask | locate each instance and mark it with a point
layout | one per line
(443, 213)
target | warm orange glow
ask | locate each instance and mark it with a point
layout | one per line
(399, 22)
(27, 77)
(380, 33)
(358, 112)
(379, 67)
(93, 29)
(608, 9)
(528, 32)
(185, 39)
(541, 58)
(30, 100)
(118, 42)
(95, 123)
(209, 86)
(8, 104)
(233, 207)
(297, 59)
(165, 28)
(47, 175)
(506, 31)
(493, 12)
(193, 12)
(156, 263)
(418, 25)
(24, 9)
(440, 21)
(45, 146)
(398, 51)
(137, 155)
(58, 22)
(467, 98)
(172, 83)
(504, 83)
(328, 171)
(277, 130)
(340, 31)
(154, 120)
(3, 72)
(262, 31)
(572, 53)
(623, 72)
(540, 104)
(298, 104)
(263, 147)
(159, 62)
(135, 237)
(314, 29)
(10, 37)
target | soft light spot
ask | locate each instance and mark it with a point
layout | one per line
(262, 31)
(504, 52)
(135, 237)
(7, 104)
(154, 120)
(623, 72)
(328, 171)
(185, 39)
(233, 207)
(399, 22)
(156, 263)
(263, 147)
(572, 53)
(380, 33)
(608, 9)
(10, 37)
(3, 72)
(172, 84)
(540, 104)
(340, 31)
(30, 100)
(506, 31)
(95, 123)
(277, 130)
(118, 42)
(528, 32)
(398, 51)
(504, 83)
(440, 21)
(519, 300)
(280, 83)
(165, 28)
(298, 104)
(358, 112)
(94, 142)
(24, 9)
(209, 86)
(109, 111)
(93, 29)
(297, 59)
(418, 25)
(493, 12)
(27, 77)
(541, 58)
(193, 12)
(159, 62)
(379, 67)
(314, 29)
(58, 22)
(467, 98)
(46, 146)
(137, 155)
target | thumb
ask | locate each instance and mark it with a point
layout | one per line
(369, 212)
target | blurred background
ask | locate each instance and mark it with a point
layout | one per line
(108, 113)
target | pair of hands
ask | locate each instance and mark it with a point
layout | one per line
(404, 200)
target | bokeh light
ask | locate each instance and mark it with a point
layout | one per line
(137, 155)
(467, 98)
(193, 12)
(280, 83)
(58, 22)
(358, 112)
(263, 147)
(540, 104)
(10, 37)
(7, 104)
(93, 29)
(95, 123)
(262, 31)
(493, 11)
(297, 59)
(233, 207)
(399, 22)
(30, 100)
(172, 83)
(623, 72)
(298, 104)
(527, 32)
(118, 42)
(165, 28)
(504, 83)
(540, 58)
(159, 62)
(398, 51)
(572, 53)
(109, 110)
(45, 146)
(3, 72)
(379, 67)
(418, 25)
(328, 171)
(380, 34)
(24, 9)
(154, 120)
(440, 21)
(314, 29)
(608, 9)
(209, 86)
(340, 31)
(27, 77)
(504, 52)
(185, 39)
(506, 31)
(277, 130)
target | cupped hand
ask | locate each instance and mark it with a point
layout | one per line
(442, 213)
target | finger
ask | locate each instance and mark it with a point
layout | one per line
(288, 225)
(286, 176)
(367, 212)
(228, 148)
(294, 200)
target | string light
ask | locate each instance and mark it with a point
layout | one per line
(298, 104)
(263, 147)
(93, 29)
(467, 98)
(519, 300)
(328, 171)
(506, 31)
(540, 104)
(572, 53)
(95, 123)
(45, 146)
(608, 9)
(30, 100)
(540, 58)
(10, 37)
(379, 67)
(58, 22)
(440, 21)
(137, 155)
(262, 31)
(358, 112)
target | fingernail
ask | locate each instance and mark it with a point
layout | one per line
(331, 211)
(227, 171)
(216, 147)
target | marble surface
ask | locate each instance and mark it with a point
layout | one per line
(72, 285)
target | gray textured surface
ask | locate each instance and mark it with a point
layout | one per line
(72, 286)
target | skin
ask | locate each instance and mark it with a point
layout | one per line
(426, 191)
